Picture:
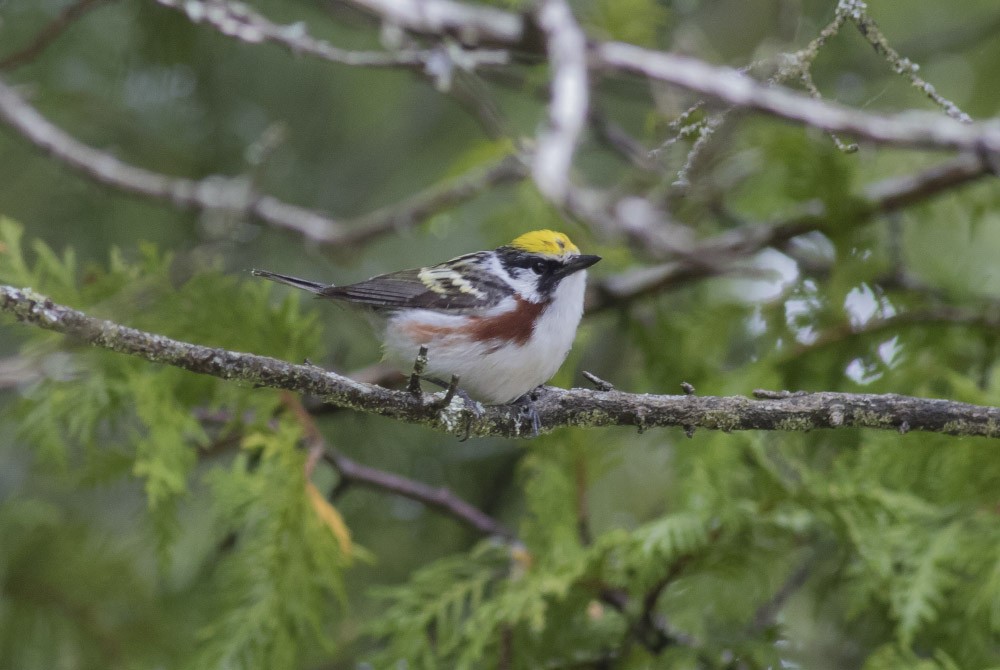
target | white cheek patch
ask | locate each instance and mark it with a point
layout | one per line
(525, 283)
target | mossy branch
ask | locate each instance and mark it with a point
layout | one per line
(555, 407)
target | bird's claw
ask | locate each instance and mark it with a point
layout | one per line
(472, 411)
(526, 409)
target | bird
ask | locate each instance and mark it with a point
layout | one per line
(500, 321)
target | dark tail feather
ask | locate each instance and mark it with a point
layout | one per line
(311, 286)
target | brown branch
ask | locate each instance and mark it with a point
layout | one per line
(437, 498)
(766, 614)
(353, 473)
(555, 408)
(895, 193)
(48, 34)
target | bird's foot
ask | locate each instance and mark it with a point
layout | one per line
(527, 410)
(472, 410)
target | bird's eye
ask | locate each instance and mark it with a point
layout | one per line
(538, 267)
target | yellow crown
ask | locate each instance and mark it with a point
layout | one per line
(546, 242)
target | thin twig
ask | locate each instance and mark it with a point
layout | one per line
(768, 612)
(419, 365)
(440, 499)
(419, 207)
(922, 130)
(48, 34)
(903, 66)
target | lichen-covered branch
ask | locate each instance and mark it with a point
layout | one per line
(922, 130)
(555, 407)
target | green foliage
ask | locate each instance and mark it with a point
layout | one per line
(98, 417)
(71, 596)
(151, 517)
(639, 22)
(273, 585)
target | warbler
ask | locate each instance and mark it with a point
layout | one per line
(502, 321)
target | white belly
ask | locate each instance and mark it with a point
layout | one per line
(495, 370)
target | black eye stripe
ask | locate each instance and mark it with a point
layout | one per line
(530, 263)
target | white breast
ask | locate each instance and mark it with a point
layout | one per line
(494, 371)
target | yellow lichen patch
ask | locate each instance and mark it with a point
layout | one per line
(545, 242)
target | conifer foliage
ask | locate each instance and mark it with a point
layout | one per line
(151, 517)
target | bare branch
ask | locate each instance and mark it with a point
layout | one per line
(911, 129)
(567, 51)
(351, 472)
(48, 34)
(237, 193)
(904, 66)
(469, 24)
(215, 192)
(417, 208)
(478, 24)
(440, 498)
(895, 193)
(766, 614)
(242, 22)
(718, 254)
(555, 407)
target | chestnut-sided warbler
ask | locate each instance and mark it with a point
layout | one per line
(502, 321)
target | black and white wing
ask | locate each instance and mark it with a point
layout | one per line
(460, 284)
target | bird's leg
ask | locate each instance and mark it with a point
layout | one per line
(526, 405)
(450, 391)
(419, 365)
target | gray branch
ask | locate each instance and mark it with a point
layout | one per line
(555, 407)
(479, 24)
(568, 109)
(218, 192)
(921, 130)
(721, 254)
(243, 23)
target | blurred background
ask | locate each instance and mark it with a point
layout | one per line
(101, 566)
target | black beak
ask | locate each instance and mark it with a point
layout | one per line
(577, 263)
